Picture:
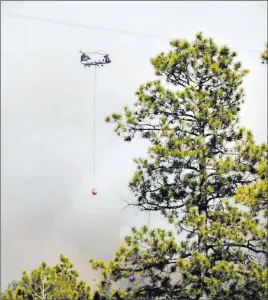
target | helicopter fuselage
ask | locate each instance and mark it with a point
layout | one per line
(94, 60)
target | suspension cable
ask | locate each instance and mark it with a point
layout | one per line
(94, 130)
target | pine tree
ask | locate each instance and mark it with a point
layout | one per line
(44, 282)
(198, 161)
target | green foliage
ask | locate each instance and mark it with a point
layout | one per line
(264, 55)
(206, 175)
(44, 282)
(145, 255)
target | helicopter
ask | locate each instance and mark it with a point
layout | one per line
(87, 61)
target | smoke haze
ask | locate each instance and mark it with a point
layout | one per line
(46, 124)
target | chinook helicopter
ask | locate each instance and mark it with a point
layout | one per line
(87, 60)
(99, 59)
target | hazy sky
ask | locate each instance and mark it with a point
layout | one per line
(46, 120)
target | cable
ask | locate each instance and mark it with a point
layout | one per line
(74, 24)
(94, 27)
(94, 129)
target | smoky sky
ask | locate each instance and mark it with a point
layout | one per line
(46, 118)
